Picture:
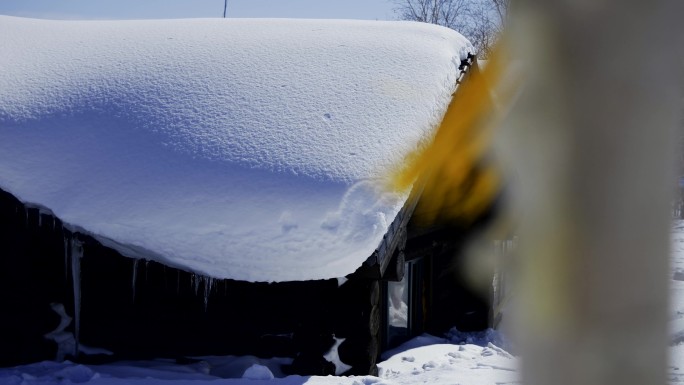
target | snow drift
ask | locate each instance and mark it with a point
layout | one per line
(243, 149)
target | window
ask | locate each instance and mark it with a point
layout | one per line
(405, 305)
(398, 310)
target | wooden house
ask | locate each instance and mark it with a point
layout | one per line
(95, 209)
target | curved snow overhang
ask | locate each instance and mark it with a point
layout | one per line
(243, 149)
(379, 264)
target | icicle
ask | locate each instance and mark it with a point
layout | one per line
(196, 281)
(135, 276)
(76, 255)
(146, 269)
(40, 219)
(208, 282)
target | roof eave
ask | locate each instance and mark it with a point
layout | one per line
(394, 240)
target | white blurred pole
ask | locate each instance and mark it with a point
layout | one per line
(595, 125)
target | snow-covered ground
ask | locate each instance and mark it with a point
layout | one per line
(457, 359)
(460, 358)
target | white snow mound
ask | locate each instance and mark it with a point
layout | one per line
(258, 372)
(244, 149)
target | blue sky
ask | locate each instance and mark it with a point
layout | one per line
(160, 9)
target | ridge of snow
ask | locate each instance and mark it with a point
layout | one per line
(249, 149)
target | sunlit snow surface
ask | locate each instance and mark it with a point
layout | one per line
(245, 149)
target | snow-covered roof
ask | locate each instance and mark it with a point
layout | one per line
(247, 148)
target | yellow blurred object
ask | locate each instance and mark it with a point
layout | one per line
(454, 174)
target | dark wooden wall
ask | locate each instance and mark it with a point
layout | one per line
(143, 309)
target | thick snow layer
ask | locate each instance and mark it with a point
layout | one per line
(245, 149)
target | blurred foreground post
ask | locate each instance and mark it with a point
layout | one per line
(596, 127)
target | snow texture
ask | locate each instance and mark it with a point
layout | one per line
(244, 149)
(333, 356)
(258, 372)
(438, 364)
(449, 364)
